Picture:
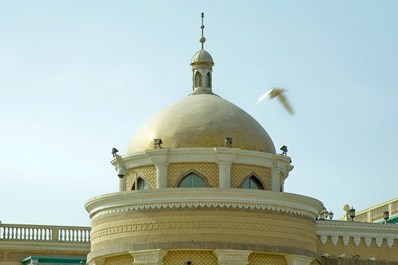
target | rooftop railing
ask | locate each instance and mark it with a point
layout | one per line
(44, 233)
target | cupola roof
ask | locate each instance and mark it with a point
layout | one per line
(203, 119)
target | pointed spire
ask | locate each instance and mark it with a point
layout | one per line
(202, 39)
(202, 67)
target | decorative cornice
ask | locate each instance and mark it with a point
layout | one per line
(203, 197)
(212, 155)
(357, 231)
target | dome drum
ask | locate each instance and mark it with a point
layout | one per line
(203, 219)
(156, 167)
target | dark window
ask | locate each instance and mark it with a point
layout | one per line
(141, 184)
(198, 79)
(252, 183)
(192, 181)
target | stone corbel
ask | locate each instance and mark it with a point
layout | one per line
(148, 257)
(298, 260)
(232, 257)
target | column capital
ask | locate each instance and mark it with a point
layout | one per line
(298, 260)
(148, 257)
(161, 164)
(232, 257)
(224, 162)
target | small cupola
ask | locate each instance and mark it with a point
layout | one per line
(202, 67)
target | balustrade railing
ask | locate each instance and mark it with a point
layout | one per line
(44, 233)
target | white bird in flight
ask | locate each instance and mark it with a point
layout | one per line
(279, 93)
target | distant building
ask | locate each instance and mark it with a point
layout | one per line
(43, 244)
(386, 212)
(202, 184)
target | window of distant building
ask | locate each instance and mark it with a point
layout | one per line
(252, 182)
(192, 181)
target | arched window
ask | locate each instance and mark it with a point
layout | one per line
(141, 184)
(252, 183)
(208, 80)
(192, 181)
(198, 79)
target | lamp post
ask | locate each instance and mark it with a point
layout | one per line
(386, 216)
(324, 214)
(352, 213)
(331, 215)
(284, 150)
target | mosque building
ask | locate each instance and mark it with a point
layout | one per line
(201, 183)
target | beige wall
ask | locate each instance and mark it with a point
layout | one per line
(119, 260)
(148, 173)
(266, 259)
(196, 257)
(203, 228)
(176, 171)
(239, 172)
(202, 257)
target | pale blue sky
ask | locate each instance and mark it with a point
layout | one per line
(79, 77)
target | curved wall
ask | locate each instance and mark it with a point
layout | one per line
(203, 218)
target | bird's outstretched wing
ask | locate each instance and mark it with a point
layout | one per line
(285, 103)
(263, 96)
(277, 93)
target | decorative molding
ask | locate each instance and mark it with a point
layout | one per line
(232, 257)
(390, 242)
(324, 239)
(335, 238)
(355, 231)
(122, 202)
(357, 240)
(148, 257)
(379, 241)
(346, 239)
(212, 155)
(368, 241)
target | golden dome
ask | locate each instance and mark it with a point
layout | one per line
(202, 120)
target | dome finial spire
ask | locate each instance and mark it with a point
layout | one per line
(202, 39)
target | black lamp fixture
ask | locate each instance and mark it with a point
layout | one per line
(386, 216)
(121, 172)
(228, 142)
(331, 215)
(352, 213)
(324, 214)
(284, 150)
(189, 262)
(157, 143)
(114, 152)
